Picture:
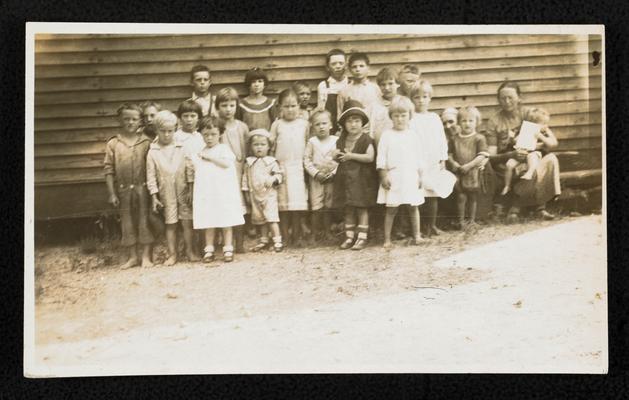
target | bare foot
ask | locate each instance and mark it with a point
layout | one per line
(527, 176)
(418, 240)
(435, 231)
(505, 190)
(132, 262)
(146, 263)
(192, 257)
(387, 246)
(170, 261)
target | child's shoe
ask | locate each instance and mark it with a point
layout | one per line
(360, 244)
(228, 253)
(260, 246)
(347, 243)
(208, 254)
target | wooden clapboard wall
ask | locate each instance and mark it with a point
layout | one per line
(80, 80)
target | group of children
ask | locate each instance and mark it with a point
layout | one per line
(225, 163)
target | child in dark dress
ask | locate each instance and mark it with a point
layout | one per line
(355, 183)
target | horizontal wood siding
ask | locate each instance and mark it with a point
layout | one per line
(80, 80)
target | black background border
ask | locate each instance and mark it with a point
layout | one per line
(13, 16)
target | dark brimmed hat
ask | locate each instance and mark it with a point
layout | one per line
(353, 107)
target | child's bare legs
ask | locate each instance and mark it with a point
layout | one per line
(188, 240)
(277, 237)
(239, 238)
(510, 167)
(432, 204)
(171, 242)
(133, 258)
(532, 162)
(471, 206)
(284, 224)
(296, 224)
(146, 255)
(350, 227)
(389, 217)
(413, 213)
(461, 200)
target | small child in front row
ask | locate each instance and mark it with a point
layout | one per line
(125, 175)
(319, 163)
(533, 158)
(262, 175)
(355, 183)
(289, 136)
(467, 151)
(166, 182)
(399, 168)
(216, 203)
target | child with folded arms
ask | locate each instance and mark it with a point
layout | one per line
(319, 163)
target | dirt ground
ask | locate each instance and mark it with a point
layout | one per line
(263, 303)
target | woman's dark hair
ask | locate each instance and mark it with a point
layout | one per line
(509, 84)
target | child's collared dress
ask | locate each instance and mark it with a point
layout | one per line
(127, 163)
(397, 154)
(258, 170)
(166, 175)
(319, 158)
(289, 142)
(235, 138)
(257, 116)
(216, 196)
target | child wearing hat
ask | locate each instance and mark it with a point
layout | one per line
(262, 175)
(355, 183)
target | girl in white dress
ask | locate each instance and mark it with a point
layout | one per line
(434, 149)
(399, 168)
(289, 136)
(216, 194)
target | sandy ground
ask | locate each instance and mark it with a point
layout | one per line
(527, 297)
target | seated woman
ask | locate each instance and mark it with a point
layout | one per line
(501, 129)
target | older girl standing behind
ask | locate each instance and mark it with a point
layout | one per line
(256, 110)
(400, 169)
(216, 194)
(355, 184)
(466, 155)
(289, 136)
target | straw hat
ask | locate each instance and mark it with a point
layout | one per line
(353, 107)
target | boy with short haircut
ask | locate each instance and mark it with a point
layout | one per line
(303, 96)
(407, 78)
(361, 89)
(125, 175)
(200, 80)
(328, 89)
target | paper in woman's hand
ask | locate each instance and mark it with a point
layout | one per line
(527, 139)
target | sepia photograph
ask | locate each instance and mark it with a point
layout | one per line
(238, 199)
